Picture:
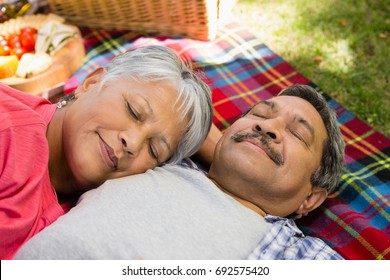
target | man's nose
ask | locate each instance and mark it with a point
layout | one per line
(270, 127)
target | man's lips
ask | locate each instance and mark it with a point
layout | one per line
(256, 143)
(260, 140)
(108, 154)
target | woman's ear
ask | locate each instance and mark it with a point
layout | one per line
(315, 199)
(92, 78)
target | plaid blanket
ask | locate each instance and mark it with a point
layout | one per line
(242, 71)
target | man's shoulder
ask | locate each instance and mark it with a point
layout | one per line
(286, 241)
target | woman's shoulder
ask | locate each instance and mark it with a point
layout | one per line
(17, 104)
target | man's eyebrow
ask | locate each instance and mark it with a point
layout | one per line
(269, 103)
(301, 120)
(308, 126)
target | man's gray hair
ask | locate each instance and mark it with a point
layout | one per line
(329, 172)
(161, 64)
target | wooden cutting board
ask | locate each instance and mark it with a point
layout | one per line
(65, 62)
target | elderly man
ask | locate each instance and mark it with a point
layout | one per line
(277, 162)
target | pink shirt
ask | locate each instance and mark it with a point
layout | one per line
(28, 202)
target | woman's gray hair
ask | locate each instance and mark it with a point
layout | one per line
(161, 64)
(329, 172)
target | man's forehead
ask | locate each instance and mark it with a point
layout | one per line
(303, 110)
(282, 101)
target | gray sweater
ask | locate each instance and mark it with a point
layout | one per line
(171, 212)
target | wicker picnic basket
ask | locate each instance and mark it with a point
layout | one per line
(196, 19)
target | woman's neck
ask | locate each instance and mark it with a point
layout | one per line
(60, 176)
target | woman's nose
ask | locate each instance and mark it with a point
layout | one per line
(132, 141)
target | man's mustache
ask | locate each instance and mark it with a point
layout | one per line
(264, 139)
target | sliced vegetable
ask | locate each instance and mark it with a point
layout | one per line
(52, 36)
(31, 64)
(8, 66)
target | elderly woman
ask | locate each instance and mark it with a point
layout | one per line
(146, 108)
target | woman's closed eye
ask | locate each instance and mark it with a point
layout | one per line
(153, 151)
(132, 112)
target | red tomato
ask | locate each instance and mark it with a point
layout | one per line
(5, 50)
(19, 52)
(14, 41)
(3, 42)
(27, 38)
(28, 30)
(28, 41)
(3, 38)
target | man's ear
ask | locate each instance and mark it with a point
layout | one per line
(315, 199)
(92, 78)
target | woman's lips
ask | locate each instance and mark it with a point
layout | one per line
(108, 154)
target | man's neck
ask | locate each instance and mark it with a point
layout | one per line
(244, 202)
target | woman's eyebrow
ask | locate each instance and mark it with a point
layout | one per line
(163, 139)
(166, 143)
(149, 107)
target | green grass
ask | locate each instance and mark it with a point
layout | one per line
(341, 45)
